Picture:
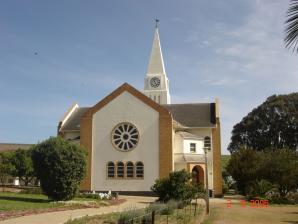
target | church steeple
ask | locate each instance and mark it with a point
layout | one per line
(156, 65)
(156, 81)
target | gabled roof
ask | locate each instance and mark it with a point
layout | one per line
(193, 115)
(188, 115)
(187, 135)
(73, 123)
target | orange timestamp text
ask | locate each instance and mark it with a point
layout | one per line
(252, 203)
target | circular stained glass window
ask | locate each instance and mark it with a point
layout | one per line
(125, 136)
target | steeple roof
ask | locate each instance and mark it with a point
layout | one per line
(156, 65)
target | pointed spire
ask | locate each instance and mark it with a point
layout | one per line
(156, 65)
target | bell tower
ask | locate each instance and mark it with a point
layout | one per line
(156, 81)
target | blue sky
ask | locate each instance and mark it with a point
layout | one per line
(54, 53)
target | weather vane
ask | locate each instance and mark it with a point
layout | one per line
(156, 22)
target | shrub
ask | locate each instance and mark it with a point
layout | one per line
(177, 187)
(127, 216)
(60, 166)
(260, 188)
(157, 207)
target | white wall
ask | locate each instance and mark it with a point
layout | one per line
(199, 146)
(203, 132)
(180, 166)
(71, 134)
(124, 108)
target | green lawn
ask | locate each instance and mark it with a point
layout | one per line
(17, 201)
(19, 204)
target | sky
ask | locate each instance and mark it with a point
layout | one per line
(54, 53)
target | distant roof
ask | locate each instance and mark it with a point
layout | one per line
(193, 115)
(12, 147)
(188, 115)
(73, 123)
(185, 134)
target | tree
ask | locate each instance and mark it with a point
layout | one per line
(244, 166)
(176, 186)
(6, 167)
(23, 165)
(273, 124)
(291, 38)
(60, 166)
(281, 168)
(255, 171)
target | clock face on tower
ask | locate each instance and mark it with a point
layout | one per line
(155, 82)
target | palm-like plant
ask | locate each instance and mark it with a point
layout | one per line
(291, 39)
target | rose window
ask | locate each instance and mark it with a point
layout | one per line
(125, 136)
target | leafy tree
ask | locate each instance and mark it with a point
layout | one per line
(291, 39)
(252, 170)
(6, 166)
(244, 166)
(273, 124)
(176, 186)
(281, 168)
(60, 166)
(23, 165)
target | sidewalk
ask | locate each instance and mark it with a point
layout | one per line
(63, 216)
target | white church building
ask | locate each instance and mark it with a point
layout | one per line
(134, 137)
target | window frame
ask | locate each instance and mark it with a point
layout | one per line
(190, 147)
(139, 163)
(127, 164)
(114, 167)
(207, 142)
(123, 170)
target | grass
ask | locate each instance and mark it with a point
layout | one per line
(19, 204)
(179, 216)
(17, 201)
(219, 213)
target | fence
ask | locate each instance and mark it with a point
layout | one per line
(170, 213)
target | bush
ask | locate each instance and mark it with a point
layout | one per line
(60, 167)
(177, 187)
(127, 216)
(260, 188)
(157, 207)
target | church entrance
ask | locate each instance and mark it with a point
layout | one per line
(197, 174)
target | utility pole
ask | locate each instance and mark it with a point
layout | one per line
(207, 186)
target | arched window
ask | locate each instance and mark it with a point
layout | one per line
(129, 170)
(120, 169)
(139, 170)
(207, 142)
(111, 170)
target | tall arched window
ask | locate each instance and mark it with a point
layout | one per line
(129, 170)
(111, 170)
(139, 170)
(120, 169)
(207, 142)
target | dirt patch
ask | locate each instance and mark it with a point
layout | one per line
(237, 213)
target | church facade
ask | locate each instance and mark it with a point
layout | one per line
(135, 137)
